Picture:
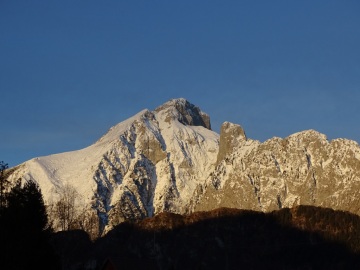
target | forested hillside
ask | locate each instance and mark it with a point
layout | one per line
(304, 237)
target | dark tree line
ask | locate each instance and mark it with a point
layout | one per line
(24, 228)
(233, 239)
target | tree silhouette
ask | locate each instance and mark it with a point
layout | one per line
(25, 230)
(3, 181)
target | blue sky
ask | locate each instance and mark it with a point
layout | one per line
(69, 70)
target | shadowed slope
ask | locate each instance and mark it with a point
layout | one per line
(304, 237)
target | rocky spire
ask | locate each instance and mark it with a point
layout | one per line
(186, 113)
(231, 135)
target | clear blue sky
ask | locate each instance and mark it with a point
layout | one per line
(69, 70)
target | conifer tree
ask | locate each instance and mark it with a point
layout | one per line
(27, 235)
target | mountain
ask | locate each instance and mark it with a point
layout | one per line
(169, 160)
(150, 163)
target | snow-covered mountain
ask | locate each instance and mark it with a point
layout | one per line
(170, 160)
(150, 163)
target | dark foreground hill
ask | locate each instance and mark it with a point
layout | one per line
(304, 237)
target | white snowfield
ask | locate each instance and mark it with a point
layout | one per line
(75, 168)
(170, 160)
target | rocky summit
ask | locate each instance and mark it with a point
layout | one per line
(169, 160)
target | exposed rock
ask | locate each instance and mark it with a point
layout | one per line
(185, 112)
(302, 169)
(231, 135)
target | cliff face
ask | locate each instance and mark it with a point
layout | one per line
(169, 160)
(302, 169)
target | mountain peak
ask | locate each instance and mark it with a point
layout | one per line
(185, 112)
